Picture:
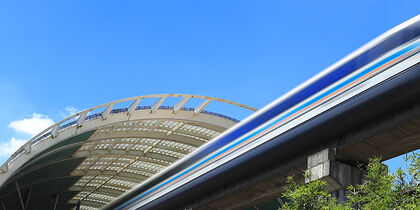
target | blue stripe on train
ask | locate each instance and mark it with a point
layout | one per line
(394, 41)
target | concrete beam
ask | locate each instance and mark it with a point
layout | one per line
(245, 193)
(339, 176)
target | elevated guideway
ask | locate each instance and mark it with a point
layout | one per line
(365, 105)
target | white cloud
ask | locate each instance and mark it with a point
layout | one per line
(33, 125)
(8, 148)
(69, 111)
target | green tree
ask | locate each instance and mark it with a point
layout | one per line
(379, 190)
(309, 196)
(376, 191)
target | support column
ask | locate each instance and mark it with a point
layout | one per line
(78, 205)
(20, 195)
(28, 196)
(339, 176)
(56, 201)
(3, 205)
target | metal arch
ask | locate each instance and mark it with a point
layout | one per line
(54, 130)
(170, 126)
(99, 138)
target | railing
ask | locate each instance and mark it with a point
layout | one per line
(81, 117)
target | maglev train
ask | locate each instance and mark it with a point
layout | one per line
(369, 82)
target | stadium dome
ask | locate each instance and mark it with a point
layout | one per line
(91, 158)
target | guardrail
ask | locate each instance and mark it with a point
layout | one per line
(83, 116)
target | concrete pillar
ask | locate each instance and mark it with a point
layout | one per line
(339, 176)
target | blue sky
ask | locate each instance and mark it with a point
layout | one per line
(57, 57)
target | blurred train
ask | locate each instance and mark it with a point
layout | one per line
(364, 85)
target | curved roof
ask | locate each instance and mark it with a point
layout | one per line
(97, 154)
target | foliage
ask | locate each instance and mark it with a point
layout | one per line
(309, 196)
(376, 192)
(379, 190)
